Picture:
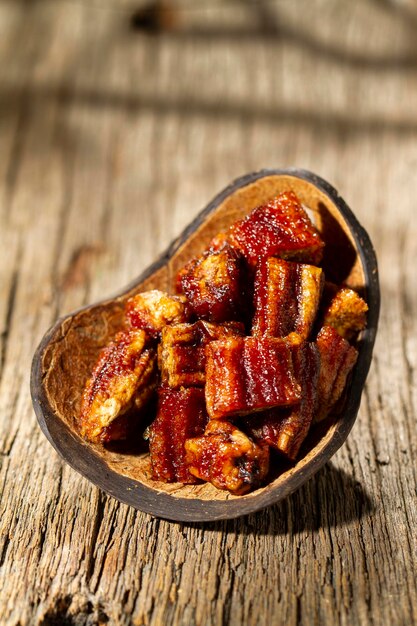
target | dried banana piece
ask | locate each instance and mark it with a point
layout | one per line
(287, 297)
(346, 313)
(337, 360)
(280, 228)
(215, 285)
(125, 371)
(181, 415)
(286, 429)
(153, 310)
(248, 374)
(227, 458)
(182, 353)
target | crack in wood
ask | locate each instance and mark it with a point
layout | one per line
(4, 337)
(98, 518)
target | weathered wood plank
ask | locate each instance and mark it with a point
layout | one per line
(109, 142)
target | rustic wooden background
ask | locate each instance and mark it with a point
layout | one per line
(111, 139)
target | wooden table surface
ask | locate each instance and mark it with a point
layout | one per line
(111, 140)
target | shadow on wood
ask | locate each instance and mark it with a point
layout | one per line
(184, 106)
(161, 19)
(332, 498)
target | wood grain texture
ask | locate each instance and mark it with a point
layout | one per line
(110, 142)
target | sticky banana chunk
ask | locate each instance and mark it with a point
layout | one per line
(337, 360)
(182, 353)
(346, 313)
(125, 370)
(153, 310)
(249, 374)
(215, 285)
(280, 228)
(181, 415)
(287, 297)
(227, 458)
(286, 429)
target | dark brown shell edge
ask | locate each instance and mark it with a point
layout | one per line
(81, 457)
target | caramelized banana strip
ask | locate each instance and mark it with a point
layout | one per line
(248, 374)
(287, 297)
(227, 458)
(181, 415)
(125, 370)
(286, 429)
(337, 360)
